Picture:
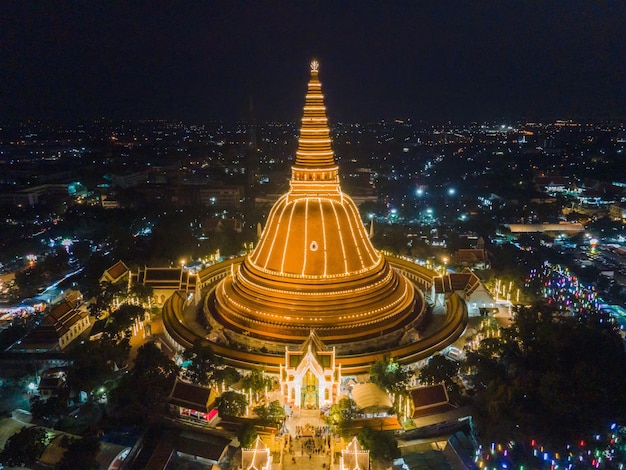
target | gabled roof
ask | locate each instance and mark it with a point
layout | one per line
(116, 272)
(172, 278)
(257, 457)
(195, 397)
(470, 255)
(464, 281)
(317, 348)
(53, 326)
(429, 400)
(354, 457)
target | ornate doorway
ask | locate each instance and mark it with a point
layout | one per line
(310, 391)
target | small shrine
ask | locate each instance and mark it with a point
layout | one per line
(257, 457)
(310, 377)
(354, 457)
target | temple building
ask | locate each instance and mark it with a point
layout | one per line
(315, 298)
(310, 378)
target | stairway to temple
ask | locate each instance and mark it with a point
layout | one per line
(314, 414)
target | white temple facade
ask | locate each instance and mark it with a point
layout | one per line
(310, 377)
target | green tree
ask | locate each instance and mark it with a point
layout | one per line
(121, 320)
(50, 410)
(80, 453)
(519, 376)
(441, 369)
(143, 293)
(247, 435)
(271, 414)
(232, 404)
(256, 382)
(140, 395)
(202, 364)
(341, 413)
(381, 444)
(391, 376)
(226, 376)
(94, 363)
(24, 447)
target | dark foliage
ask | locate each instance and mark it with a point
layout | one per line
(553, 379)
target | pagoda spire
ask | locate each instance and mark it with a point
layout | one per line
(315, 169)
(314, 149)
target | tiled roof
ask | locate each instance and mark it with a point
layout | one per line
(192, 396)
(429, 400)
(117, 271)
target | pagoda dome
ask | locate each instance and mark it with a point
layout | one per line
(314, 239)
(314, 267)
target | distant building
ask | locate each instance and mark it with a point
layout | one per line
(221, 196)
(130, 180)
(119, 272)
(475, 258)
(617, 212)
(468, 286)
(193, 401)
(542, 228)
(109, 202)
(35, 195)
(217, 225)
(57, 330)
(165, 281)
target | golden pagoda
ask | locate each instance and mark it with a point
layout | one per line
(314, 267)
(313, 274)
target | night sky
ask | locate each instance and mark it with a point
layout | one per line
(201, 61)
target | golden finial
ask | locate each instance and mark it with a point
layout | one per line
(315, 65)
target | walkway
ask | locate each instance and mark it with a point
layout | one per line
(309, 442)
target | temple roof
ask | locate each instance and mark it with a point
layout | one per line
(257, 457)
(354, 457)
(429, 400)
(192, 396)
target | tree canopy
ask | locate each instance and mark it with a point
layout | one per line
(232, 404)
(341, 413)
(140, 395)
(201, 364)
(441, 369)
(381, 444)
(271, 414)
(550, 378)
(390, 375)
(256, 382)
(80, 453)
(24, 447)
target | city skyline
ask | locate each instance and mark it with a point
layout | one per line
(444, 61)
